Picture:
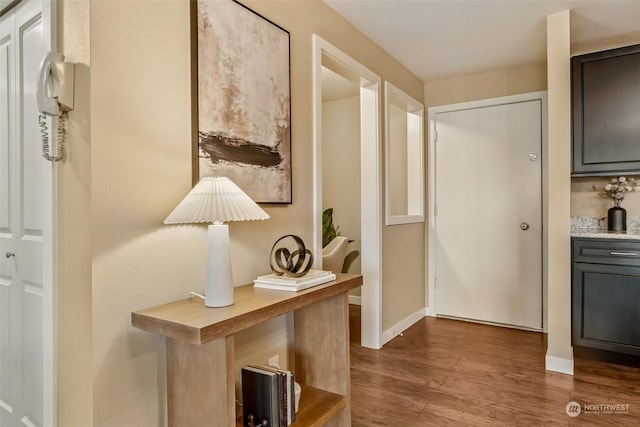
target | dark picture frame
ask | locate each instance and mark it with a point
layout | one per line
(241, 96)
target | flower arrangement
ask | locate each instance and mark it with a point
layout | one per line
(618, 189)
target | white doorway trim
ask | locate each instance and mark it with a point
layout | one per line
(431, 229)
(50, 258)
(371, 211)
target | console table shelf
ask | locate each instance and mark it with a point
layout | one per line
(200, 351)
(316, 407)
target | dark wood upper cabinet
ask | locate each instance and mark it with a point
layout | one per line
(606, 112)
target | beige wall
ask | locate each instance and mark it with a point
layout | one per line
(489, 84)
(341, 169)
(585, 200)
(398, 162)
(559, 190)
(605, 44)
(140, 115)
(403, 292)
(75, 378)
(141, 168)
(403, 273)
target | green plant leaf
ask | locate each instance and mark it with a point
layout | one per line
(328, 229)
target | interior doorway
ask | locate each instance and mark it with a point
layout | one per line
(366, 84)
(341, 198)
(487, 234)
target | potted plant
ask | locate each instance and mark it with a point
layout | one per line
(617, 190)
(329, 231)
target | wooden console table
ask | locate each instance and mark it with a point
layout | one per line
(200, 352)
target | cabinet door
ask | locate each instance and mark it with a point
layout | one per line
(606, 101)
(606, 307)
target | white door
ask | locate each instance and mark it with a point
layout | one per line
(488, 198)
(26, 292)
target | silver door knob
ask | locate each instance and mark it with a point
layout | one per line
(10, 254)
(524, 226)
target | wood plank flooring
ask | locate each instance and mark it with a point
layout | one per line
(452, 373)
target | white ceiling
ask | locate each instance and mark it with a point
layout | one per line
(437, 39)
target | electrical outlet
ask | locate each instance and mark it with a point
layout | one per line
(274, 361)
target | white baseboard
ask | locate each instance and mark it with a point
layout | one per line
(557, 364)
(403, 325)
(355, 299)
(431, 311)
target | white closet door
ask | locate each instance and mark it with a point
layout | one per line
(26, 294)
(489, 213)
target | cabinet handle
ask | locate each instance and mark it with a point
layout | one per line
(624, 253)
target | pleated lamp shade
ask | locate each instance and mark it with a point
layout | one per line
(215, 199)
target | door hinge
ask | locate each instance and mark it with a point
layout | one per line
(435, 209)
(435, 136)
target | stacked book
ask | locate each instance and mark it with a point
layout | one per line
(285, 283)
(268, 394)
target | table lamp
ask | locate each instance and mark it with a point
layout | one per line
(215, 200)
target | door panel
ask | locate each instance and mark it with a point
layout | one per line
(25, 206)
(6, 389)
(488, 268)
(5, 87)
(32, 355)
(31, 190)
(8, 357)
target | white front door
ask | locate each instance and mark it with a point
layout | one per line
(26, 290)
(488, 196)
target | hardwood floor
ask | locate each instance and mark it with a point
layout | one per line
(451, 373)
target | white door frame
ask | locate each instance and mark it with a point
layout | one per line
(50, 258)
(431, 229)
(371, 211)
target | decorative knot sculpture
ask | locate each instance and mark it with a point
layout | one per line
(295, 263)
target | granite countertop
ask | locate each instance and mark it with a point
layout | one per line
(590, 227)
(604, 234)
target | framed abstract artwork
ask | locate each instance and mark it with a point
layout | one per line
(242, 99)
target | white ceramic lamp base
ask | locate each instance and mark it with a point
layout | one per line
(219, 287)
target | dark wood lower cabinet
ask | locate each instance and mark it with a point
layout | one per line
(606, 295)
